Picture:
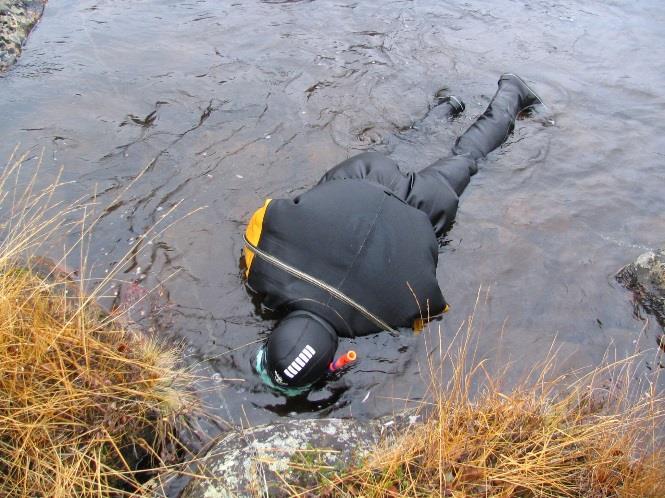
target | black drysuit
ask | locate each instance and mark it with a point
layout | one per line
(359, 249)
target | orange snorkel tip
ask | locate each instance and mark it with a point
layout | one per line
(342, 361)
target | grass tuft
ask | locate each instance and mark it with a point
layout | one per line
(86, 407)
(587, 438)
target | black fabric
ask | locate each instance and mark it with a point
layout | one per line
(360, 238)
(304, 338)
(454, 105)
(368, 229)
(492, 128)
(429, 191)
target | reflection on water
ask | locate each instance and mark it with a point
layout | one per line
(220, 105)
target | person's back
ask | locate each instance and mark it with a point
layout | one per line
(358, 239)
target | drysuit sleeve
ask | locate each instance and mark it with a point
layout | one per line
(370, 166)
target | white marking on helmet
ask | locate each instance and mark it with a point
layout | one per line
(300, 361)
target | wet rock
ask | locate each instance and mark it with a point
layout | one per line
(257, 462)
(17, 17)
(646, 279)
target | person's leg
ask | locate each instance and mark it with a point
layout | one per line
(371, 166)
(436, 189)
(492, 128)
(380, 169)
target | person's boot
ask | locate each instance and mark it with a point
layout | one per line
(453, 105)
(528, 96)
(493, 127)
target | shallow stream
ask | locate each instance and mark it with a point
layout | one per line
(218, 105)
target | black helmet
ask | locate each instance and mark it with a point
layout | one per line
(300, 349)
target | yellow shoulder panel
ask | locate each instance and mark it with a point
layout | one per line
(253, 233)
(419, 323)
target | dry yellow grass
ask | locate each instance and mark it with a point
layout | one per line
(588, 438)
(82, 401)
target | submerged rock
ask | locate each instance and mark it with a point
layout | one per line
(17, 17)
(258, 461)
(646, 279)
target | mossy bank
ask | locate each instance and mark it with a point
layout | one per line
(17, 18)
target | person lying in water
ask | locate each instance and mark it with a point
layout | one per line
(357, 253)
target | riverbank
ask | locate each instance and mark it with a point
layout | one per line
(528, 442)
(17, 18)
(594, 434)
(87, 406)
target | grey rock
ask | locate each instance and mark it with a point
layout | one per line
(17, 18)
(646, 279)
(258, 461)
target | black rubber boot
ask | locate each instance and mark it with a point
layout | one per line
(454, 105)
(454, 172)
(492, 128)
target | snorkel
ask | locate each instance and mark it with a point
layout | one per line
(342, 361)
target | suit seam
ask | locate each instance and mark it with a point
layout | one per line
(362, 245)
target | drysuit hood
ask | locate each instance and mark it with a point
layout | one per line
(300, 350)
